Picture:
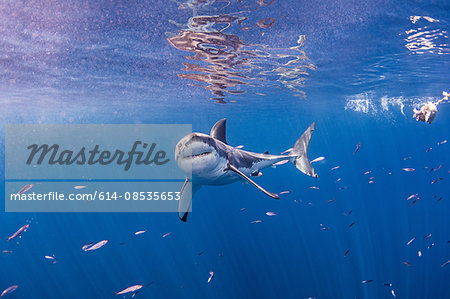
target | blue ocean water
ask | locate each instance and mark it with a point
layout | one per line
(271, 68)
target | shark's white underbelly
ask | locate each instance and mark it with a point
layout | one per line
(217, 175)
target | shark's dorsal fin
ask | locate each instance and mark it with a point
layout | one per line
(219, 130)
(273, 195)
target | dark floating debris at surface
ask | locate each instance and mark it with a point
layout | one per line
(223, 63)
(266, 23)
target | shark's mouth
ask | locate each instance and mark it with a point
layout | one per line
(198, 155)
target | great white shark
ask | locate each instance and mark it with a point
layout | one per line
(209, 160)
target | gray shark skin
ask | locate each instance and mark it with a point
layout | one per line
(211, 161)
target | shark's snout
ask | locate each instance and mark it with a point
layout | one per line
(194, 150)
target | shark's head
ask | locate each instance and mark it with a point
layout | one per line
(196, 152)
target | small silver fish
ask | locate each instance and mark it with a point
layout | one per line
(445, 264)
(130, 289)
(408, 169)
(256, 221)
(25, 189)
(166, 234)
(211, 275)
(271, 214)
(436, 180)
(335, 167)
(19, 232)
(79, 187)
(140, 232)
(414, 201)
(97, 245)
(87, 246)
(287, 151)
(284, 192)
(437, 168)
(9, 290)
(314, 187)
(367, 172)
(280, 162)
(412, 196)
(357, 148)
(322, 227)
(317, 159)
(410, 241)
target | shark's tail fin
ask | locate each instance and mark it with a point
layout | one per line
(300, 150)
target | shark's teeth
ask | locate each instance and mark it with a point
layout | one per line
(198, 155)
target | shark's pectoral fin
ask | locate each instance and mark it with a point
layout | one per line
(273, 195)
(185, 201)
